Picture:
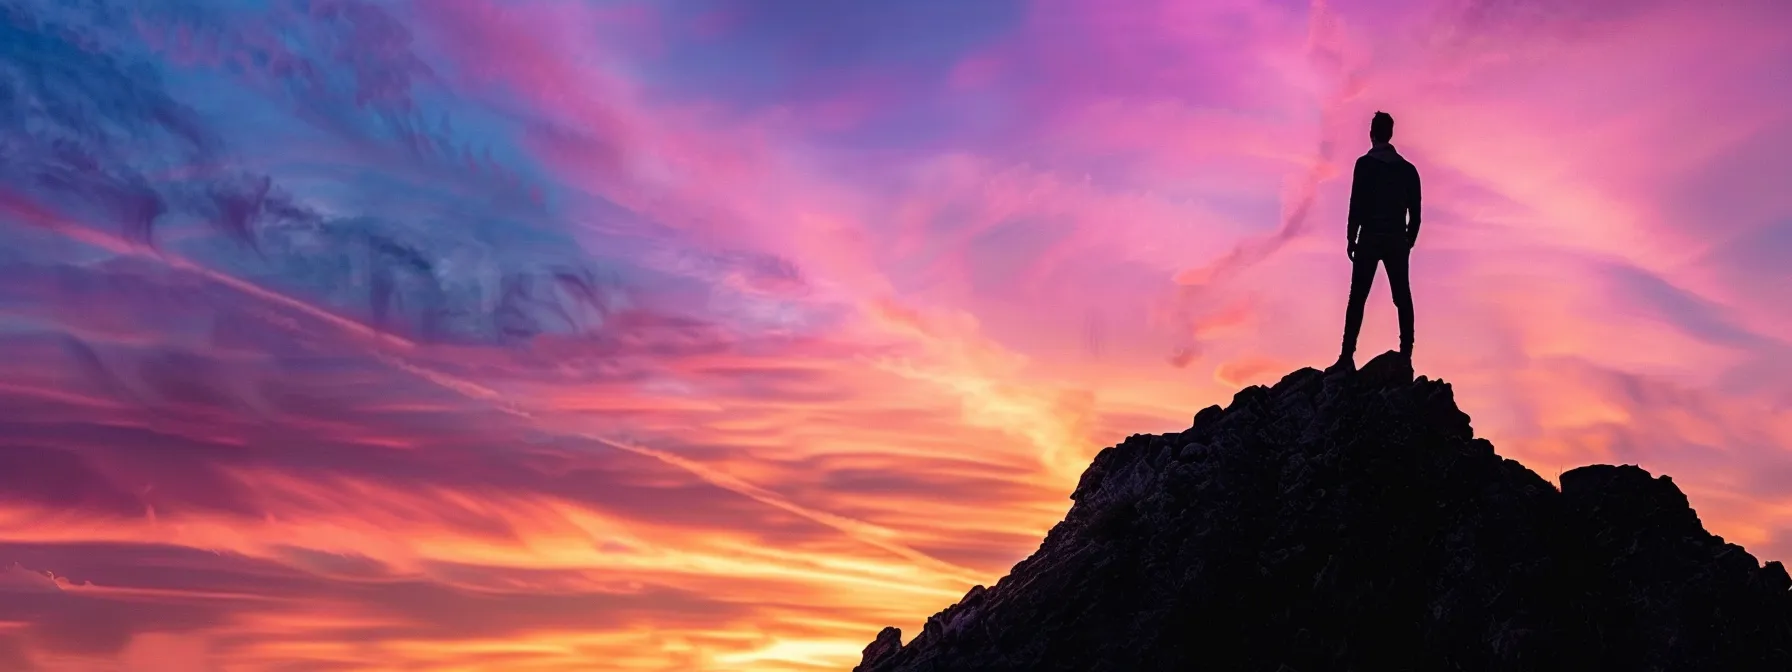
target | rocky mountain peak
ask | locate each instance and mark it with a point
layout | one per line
(1352, 521)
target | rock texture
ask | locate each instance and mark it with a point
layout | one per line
(1351, 521)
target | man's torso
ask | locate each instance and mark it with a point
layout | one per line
(1388, 181)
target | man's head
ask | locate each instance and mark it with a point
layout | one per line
(1381, 128)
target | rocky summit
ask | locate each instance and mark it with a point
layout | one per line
(1352, 521)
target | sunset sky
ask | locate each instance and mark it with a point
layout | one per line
(717, 335)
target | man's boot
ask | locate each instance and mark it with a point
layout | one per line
(1345, 363)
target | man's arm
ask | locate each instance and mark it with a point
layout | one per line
(1354, 221)
(1412, 211)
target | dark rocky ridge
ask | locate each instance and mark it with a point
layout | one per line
(1353, 522)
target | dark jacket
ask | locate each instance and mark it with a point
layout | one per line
(1384, 190)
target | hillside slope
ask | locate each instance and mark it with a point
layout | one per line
(1353, 522)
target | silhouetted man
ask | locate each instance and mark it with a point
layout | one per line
(1382, 228)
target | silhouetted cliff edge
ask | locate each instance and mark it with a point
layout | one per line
(1353, 522)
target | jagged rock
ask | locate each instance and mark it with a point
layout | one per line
(888, 642)
(1351, 521)
(1386, 370)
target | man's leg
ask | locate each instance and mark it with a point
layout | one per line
(1399, 282)
(1362, 277)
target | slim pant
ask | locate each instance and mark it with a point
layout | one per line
(1393, 255)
